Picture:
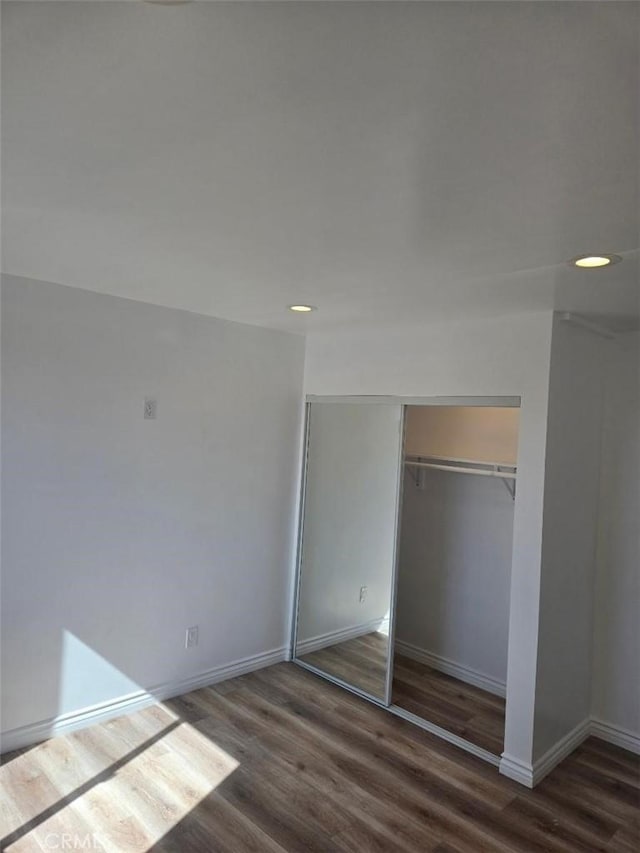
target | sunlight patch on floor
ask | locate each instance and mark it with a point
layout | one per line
(128, 783)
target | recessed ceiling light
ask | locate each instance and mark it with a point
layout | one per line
(590, 262)
(302, 309)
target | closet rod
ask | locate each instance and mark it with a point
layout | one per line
(503, 475)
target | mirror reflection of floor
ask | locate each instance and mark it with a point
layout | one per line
(460, 708)
(464, 710)
(361, 662)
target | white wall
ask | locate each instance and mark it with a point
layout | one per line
(456, 542)
(463, 432)
(350, 517)
(508, 357)
(455, 570)
(119, 532)
(563, 688)
(616, 679)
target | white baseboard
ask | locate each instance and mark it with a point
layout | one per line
(616, 735)
(449, 667)
(35, 732)
(560, 750)
(531, 774)
(332, 638)
(517, 770)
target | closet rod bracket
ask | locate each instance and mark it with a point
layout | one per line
(510, 486)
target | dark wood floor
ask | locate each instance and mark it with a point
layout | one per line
(281, 760)
(473, 714)
(361, 662)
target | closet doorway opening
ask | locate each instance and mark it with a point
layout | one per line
(454, 570)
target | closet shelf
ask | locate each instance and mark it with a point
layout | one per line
(503, 471)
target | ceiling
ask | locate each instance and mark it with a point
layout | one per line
(388, 162)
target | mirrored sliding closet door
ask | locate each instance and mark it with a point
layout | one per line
(348, 552)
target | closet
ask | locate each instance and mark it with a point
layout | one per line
(454, 569)
(404, 561)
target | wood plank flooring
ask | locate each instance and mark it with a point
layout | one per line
(361, 662)
(281, 760)
(473, 714)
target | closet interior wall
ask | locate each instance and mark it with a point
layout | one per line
(456, 540)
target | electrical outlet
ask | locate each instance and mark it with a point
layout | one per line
(150, 408)
(363, 594)
(191, 638)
